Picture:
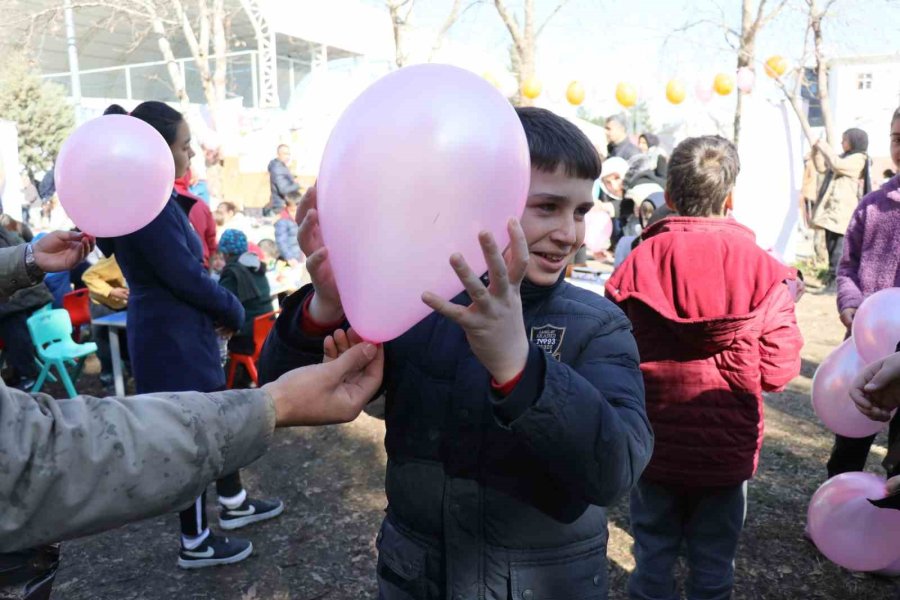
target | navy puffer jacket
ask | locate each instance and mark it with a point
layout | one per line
(492, 497)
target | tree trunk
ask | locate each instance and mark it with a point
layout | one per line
(744, 59)
(175, 74)
(815, 24)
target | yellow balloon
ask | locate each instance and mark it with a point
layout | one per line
(531, 88)
(776, 66)
(675, 92)
(575, 93)
(491, 79)
(723, 84)
(626, 95)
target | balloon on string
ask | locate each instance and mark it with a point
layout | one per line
(703, 92)
(876, 325)
(626, 94)
(723, 84)
(848, 529)
(575, 93)
(776, 66)
(746, 79)
(144, 173)
(445, 121)
(597, 230)
(675, 92)
(831, 393)
(531, 87)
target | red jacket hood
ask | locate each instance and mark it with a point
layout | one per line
(706, 277)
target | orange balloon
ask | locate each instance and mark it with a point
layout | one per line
(776, 66)
(723, 84)
(575, 93)
(675, 92)
(626, 95)
(531, 88)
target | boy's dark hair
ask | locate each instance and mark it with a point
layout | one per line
(115, 109)
(162, 117)
(702, 172)
(554, 141)
(229, 206)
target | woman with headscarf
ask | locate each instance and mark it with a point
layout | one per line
(846, 181)
(650, 166)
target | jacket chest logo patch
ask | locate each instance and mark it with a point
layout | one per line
(549, 338)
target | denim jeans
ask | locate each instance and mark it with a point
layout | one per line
(708, 521)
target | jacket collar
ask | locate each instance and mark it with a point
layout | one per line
(532, 293)
(675, 224)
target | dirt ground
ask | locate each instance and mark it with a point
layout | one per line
(331, 481)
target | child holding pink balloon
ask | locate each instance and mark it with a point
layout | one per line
(514, 412)
(714, 323)
(870, 263)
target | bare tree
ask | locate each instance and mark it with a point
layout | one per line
(751, 24)
(815, 13)
(524, 40)
(401, 13)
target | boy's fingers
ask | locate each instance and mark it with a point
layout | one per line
(315, 260)
(307, 233)
(354, 337)
(876, 377)
(518, 252)
(454, 312)
(307, 202)
(330, 348)
(340, 339)
(498, 275)
(473, 284)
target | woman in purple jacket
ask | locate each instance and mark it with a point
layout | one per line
(871, 262)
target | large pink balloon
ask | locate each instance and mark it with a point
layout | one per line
(831, 397)
(418, 165)
(848, 529)
(876, 326)
(114, 175)
(597, 230)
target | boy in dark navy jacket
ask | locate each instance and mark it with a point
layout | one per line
(514, 413)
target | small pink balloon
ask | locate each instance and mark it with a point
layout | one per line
(420, 163)
(848, 529)
(831, 396)
(703, 91)
(746, 79)
(114, 174)
(597, 230)
(876, 326)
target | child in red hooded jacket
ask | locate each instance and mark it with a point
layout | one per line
(715, 326)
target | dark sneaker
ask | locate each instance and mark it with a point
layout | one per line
(251, 511)
(215, 550)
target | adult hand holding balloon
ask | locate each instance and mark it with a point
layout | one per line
(417, 166)
(114, 175)
(848, 529)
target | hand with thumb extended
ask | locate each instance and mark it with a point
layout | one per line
(876, 390)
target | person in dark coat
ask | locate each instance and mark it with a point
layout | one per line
(18, 348)
(618, 143)
(286, 232)
(281, 181)
(512, 419)
(175, 315)
(244, 276)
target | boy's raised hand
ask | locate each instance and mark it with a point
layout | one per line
(325, 306)
(493, 322)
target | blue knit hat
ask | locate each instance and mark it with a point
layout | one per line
(233, 241)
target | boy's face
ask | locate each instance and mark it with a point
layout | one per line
(553, 222)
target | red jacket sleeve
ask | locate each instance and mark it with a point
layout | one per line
(781, 341)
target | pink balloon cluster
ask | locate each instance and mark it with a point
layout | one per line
(420, 163)
(876, 333)
(848, 529)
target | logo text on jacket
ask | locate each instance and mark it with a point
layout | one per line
(549, 338)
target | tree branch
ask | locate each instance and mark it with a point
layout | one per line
(552, 14)
(511, 24)
(448, 23)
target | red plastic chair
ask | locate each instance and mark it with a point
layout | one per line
(78, 304)
(262, 325)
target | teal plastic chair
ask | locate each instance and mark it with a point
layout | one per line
(51, 332)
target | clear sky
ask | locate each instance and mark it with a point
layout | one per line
(602, 42)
